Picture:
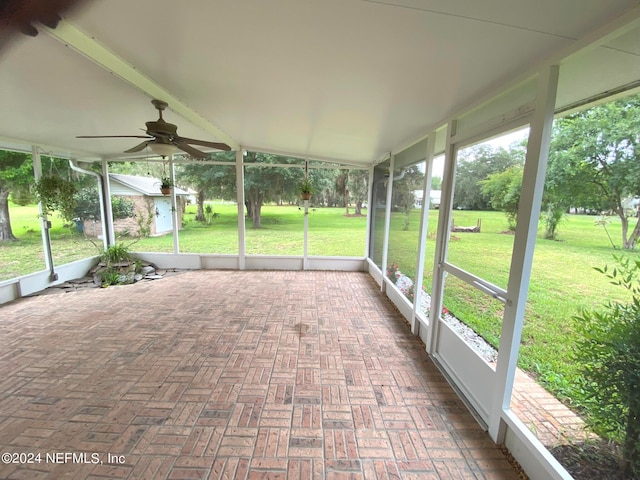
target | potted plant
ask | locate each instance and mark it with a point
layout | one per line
(166, 185)
(306, 189)
(56, 194)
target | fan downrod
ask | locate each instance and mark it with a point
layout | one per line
(160, 105)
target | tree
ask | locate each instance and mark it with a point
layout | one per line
(342, 188)
(210, 181)
(405, 182)
(16, 174)
(358, 188)
(595, 161)
(503, 191)
(269, 184)
(476, 164)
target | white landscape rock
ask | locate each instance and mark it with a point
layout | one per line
(472, 338)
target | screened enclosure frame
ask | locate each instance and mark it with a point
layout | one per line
(531, 99)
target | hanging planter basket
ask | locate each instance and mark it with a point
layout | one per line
(166, 185)
(56, 194)
(305, 188)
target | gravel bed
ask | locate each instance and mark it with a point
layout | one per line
(474, 340)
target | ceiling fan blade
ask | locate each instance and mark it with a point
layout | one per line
(113, 136)
(190, 150)
(139, 147)
(204, 143)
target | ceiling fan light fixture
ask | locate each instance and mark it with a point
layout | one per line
(162, 137)
(163, 149)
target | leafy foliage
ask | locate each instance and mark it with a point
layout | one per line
(503, 191)
(475, 165)
(56, 194)
(88, 206)
(306, 186)
(405, 182)
(119, 265)
(610, 359)
(115, 254)
(595, 163)
(15, 176)
(552, 217)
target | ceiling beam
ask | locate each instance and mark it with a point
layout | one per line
(87, 46)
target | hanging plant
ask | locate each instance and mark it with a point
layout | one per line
(306, 189)
(166, 185)
(56, 195)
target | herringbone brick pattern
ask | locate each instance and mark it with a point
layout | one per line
(226, 374)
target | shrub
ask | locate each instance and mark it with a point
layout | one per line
(115, 254)
(610, 358)
(119, 266)
(88, 206)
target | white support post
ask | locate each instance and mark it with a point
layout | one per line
(242, 247)
(370, 209)
(108, 229)
(174, 207)
(305, 248)
(442, 239)
(523, 247)
(305, 241)
(424, 227)
(387, 221)
(44, 221)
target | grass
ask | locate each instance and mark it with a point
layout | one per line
(331, 233)
(27, 255)
(563, 280)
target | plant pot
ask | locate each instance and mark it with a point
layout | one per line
(305, 196)
(165, 190)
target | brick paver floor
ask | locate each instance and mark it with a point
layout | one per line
(227, 374)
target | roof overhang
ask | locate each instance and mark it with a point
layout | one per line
(344, 81)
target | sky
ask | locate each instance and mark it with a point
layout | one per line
(502, 141)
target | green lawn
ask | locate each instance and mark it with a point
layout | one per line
(331, 233)
(27, 256)
(563, 279)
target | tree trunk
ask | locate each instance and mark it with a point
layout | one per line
(635, 234)
(359, 207)
(247, 204)
(6, 234)
(407, 214)
(200, 201)
(346, 200)
(256, 208)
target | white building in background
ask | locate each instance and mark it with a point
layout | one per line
(434, 198)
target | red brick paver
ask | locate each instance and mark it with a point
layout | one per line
(226, 374)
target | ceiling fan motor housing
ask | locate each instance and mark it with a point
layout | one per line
(160, 127)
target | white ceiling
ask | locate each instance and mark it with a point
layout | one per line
(333, 79)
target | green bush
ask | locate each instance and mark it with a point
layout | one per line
(119, 266)
(610, 358)
(88, 206)
(115, 254)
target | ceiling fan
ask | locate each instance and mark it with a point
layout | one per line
(163, 139)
